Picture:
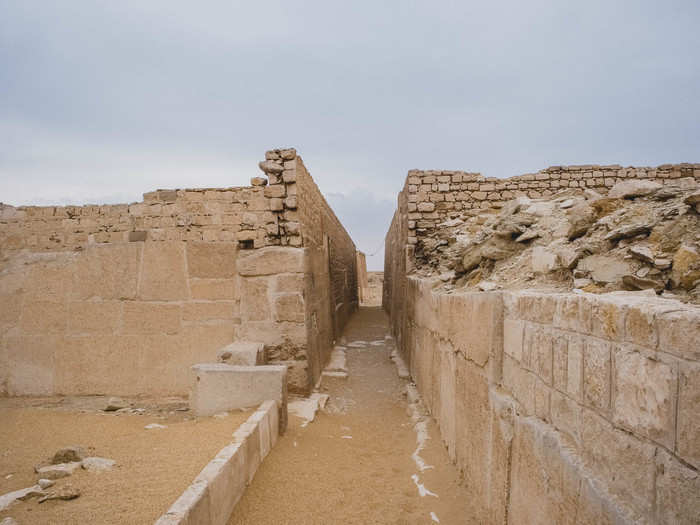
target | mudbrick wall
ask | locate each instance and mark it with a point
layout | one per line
(432, 195)
(556, 407)
(122, 299)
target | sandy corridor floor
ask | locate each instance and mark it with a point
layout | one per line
(354, 463)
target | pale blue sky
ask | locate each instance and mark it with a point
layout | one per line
(101, 101)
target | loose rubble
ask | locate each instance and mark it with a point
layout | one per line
(640, 236)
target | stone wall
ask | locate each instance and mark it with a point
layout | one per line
(562, 408)
(123, 299)
(557, 408)
(433, 196)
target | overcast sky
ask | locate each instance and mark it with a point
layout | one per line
(101, 101)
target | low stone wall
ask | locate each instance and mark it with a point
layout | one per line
(562, 408)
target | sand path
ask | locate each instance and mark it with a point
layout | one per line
(357, 461)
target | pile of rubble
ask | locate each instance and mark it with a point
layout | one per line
(640, 236)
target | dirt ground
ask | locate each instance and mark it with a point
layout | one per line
(353, 463)
(153, 466)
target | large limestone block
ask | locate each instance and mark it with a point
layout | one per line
(622, 465)
(521, 383)
(545, 476)
(94, 317)
(677, 491)
(255, 300)
(31, 364)
(151, 318)
(213, 289)
(211, 260)
(679, 333)
(289, 307)
(209, 311)
(43, 317)
(607, 316)
(163, 276)
(645, 395)
(293, 282)
(108, 271)
(513, 338)
(47, 280)
(688, 409)
(272, 260)
(218, 387)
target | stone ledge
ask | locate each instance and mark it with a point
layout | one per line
(214, 493)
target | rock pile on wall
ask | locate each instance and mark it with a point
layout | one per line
(640, 235)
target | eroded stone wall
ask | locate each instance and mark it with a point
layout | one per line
(556, 407)
(563, 408)
(122, 299)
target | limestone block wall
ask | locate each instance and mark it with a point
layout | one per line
(562, 408)
(123, 299)
(433, 195)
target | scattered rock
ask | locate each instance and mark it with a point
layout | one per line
(66, 492)
(628, 231)
(96, 464)
(568, 203)
(528, 235)
(258, 181)
(9, 521)
(270, 166)
(114, 404)
(605, 269)
(581, 218)
(637, 283)
(582, 283)
(151, 426)
(629, 189)
(641, 252)
(568, 256)
(62, 470)
(6, 500)
(543, 260)
(45, 483)
(471, 260)
(488, 286)
(662, 264)
(686, 267)
(68, 455)
(693, 199)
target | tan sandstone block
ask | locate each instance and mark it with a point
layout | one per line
(290, 283)
(213, 289)
(31, 364)
(607, 317)
(645, 395)
(91, 317)
(272, 260)
(47, 281)
(622, 464)
(208, 311)
(513, 338)
(574, 369)
(688, 445)
(677, 491)
(521, 384)
(679, 334)
(151, 318)
(596, 374)
(163, 272)
(560, 361)
(211, 260)
(107, 271)
(289, 307)
(43, 317)
(255, 303)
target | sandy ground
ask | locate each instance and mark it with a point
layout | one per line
(153, 466)
(353, 463)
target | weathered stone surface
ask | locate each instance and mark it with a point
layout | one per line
(258, 181)
(677, 491)
(581, 218)
(108, 271)
(213, 289)
(686, 267)
(242, 353)
(289, 307)
(629, 189)
(645, 395)
(688, 422)
(65, 492)
(114, 404)
(272, 260)
(58, 471)
(163, 275)
(596, 374)
(605, 269)
(255, 303)
(6, 500)
(211, 260)
(151, 318)
(543, 260)
(270, 166)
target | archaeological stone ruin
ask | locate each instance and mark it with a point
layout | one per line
(547, 325)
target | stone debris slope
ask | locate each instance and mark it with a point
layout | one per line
(640, 236)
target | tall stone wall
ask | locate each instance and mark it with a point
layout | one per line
(562, 408)
(123, 299)
(557, 408)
